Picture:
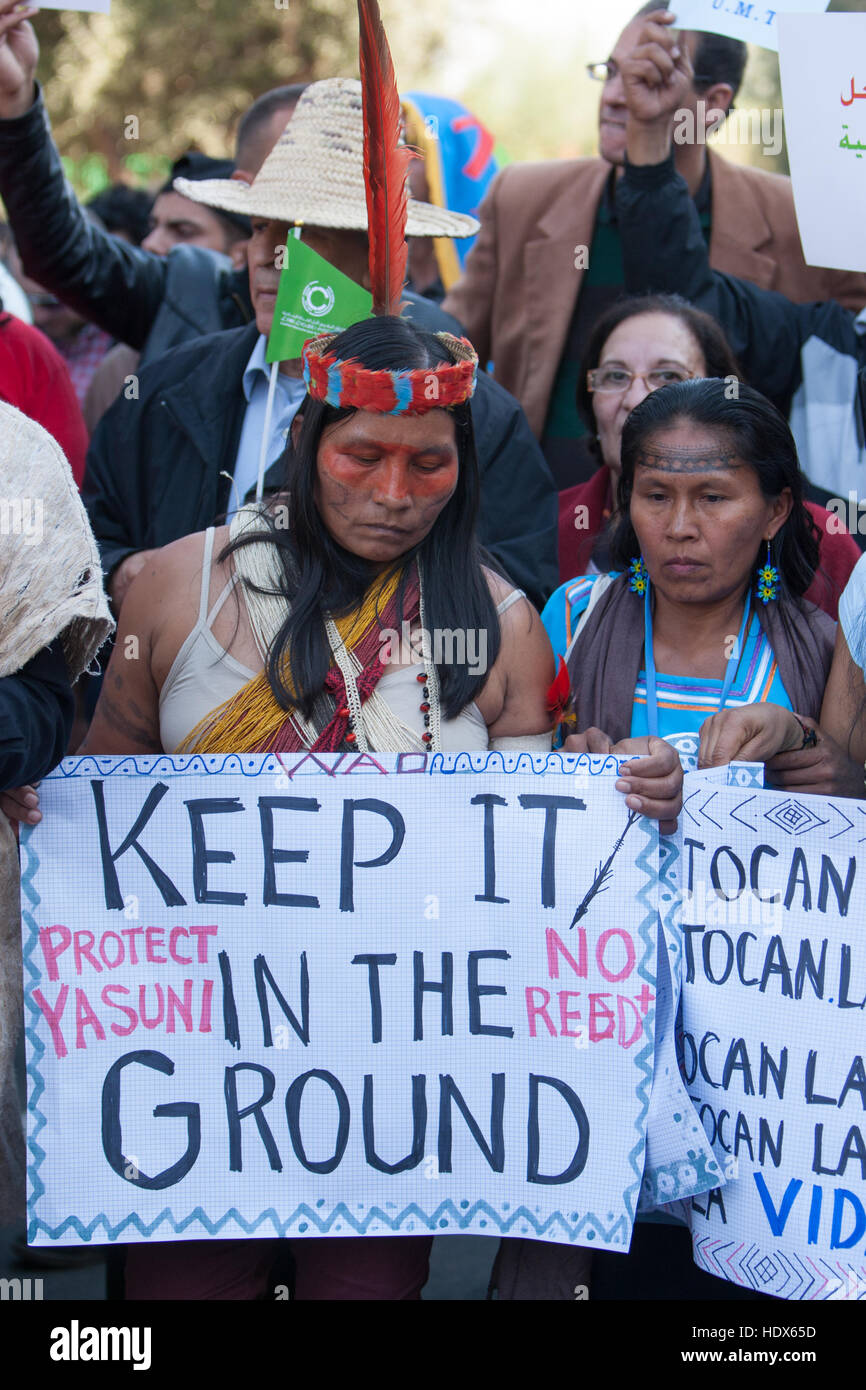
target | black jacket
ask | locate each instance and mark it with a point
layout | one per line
(809, 359)
(119, 287)
(151, 302)
(159, 467)
(36, 712)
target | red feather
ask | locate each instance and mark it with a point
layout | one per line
(559, 693)
(386, 164)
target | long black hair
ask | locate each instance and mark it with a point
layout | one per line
(762, 439)
(322, 577)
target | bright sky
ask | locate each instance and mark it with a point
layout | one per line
(482, 28)
(519, 64)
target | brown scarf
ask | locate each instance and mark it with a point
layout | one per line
(606, 658)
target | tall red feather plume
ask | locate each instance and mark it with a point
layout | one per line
(386, 164)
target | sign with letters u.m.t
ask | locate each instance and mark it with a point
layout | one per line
(750, 21)
(338, 995)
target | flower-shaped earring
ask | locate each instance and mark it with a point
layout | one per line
(768, 579)
(638, 576)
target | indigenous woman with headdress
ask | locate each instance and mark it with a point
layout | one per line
(279, 633)
(701, 633)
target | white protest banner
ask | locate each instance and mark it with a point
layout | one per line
(774, 993)
(824, 96)
(341, 995)
(752, 21)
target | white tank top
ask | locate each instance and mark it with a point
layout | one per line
(203, 675)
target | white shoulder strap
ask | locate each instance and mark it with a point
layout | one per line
(509, 600)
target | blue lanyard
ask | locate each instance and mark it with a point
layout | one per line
(652, 702)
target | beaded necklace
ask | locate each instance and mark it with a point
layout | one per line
(431, 709)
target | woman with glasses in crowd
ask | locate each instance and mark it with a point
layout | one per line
(640, 344)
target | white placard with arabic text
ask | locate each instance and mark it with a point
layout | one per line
(822, 62)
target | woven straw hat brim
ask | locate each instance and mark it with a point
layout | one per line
(315, 172)
(320, 209)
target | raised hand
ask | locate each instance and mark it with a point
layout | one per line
(657, 76)
(19, 54)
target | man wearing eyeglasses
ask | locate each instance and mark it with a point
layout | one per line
(548, 259)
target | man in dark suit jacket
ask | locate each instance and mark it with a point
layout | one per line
(548, 259)
(170, 460)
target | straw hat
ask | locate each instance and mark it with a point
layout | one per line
(315, 172)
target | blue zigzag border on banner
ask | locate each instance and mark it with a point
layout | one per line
(617, 1233)
(304, 1216)
(492, 760)
(252, 765)
(670, 905)
(28, 872)
(647, 860)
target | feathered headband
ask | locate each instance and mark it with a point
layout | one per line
(390, 393)
(386, 165)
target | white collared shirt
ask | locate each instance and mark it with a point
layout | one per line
(289, 394)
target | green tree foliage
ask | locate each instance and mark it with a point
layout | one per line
(188, 71)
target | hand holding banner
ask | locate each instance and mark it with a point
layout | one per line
(369, 1016)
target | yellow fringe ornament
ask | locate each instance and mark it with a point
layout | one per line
(252, 718)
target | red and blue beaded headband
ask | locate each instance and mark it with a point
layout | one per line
(346, 384)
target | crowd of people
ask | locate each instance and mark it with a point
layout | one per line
(644, 401)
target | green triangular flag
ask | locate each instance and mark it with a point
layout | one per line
(313, 297)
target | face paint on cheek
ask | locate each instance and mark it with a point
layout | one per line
(431, 493)
(436, 498)
(339, 496)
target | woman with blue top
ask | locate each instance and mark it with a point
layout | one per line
(704, 612)
(701, 636)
